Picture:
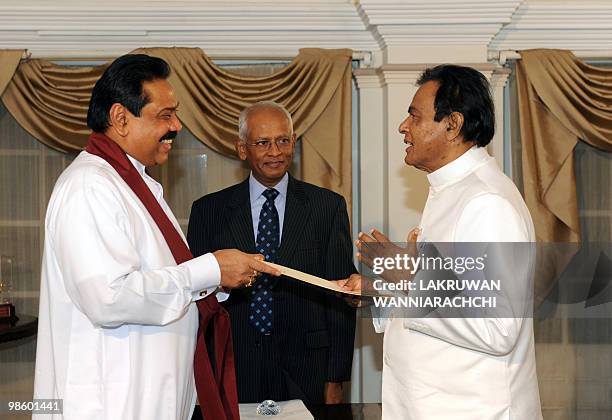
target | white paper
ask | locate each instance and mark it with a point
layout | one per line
(326, 284)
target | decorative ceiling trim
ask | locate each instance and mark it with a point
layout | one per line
(439, 12)
(451, 22)
(393, 31)
(222, 28)
(578, 25)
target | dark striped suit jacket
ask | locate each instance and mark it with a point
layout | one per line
(314, 330)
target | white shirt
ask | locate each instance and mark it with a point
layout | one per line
(256, 190)
(117, 327)
(464, 368)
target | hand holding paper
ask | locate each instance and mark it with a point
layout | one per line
(357, 284)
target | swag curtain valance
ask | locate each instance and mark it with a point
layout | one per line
(50, 102)
(562, 100)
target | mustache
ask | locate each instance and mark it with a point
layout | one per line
(170, 135)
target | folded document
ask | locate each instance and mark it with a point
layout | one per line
(319, 282)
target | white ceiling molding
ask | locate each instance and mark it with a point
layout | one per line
(439, 13)
(438, 26)
(392, 31)
(243, 28)
(575, 25)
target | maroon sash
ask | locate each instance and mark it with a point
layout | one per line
(216, 391)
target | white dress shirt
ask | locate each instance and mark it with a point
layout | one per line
(117, 327)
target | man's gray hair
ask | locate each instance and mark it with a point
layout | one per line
(243, 128)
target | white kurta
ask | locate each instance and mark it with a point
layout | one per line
(117, 327)
(464, 368)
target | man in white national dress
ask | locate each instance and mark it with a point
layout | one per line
(117, 320)
(457, 368)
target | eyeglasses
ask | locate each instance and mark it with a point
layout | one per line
(282, 144)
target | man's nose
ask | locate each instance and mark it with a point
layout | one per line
(274, 149)
(176, 124)
(404, 126)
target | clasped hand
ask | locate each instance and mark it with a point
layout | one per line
(371, 248)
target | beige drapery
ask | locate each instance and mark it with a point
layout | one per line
(561, 100)
(51, 101)
(9, 60)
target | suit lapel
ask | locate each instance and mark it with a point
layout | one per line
(239, 218)
(296, 218)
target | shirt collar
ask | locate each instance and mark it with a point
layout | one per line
(256, 188)
(139, 166)
(458, 168)
(154, 186)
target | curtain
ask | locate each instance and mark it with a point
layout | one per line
(562, 100)
(51, 101)
(9, 60)
(565, 104)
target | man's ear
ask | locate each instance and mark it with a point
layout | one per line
(454, 125)
(241, 149)
(118, 119)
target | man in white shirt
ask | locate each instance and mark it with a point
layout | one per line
(461, 367)
(117, 320)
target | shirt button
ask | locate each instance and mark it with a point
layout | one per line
(203, 293)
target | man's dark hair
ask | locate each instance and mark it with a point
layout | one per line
(465, 90)
(122, 83)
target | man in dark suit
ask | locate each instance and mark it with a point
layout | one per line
(291, 340)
